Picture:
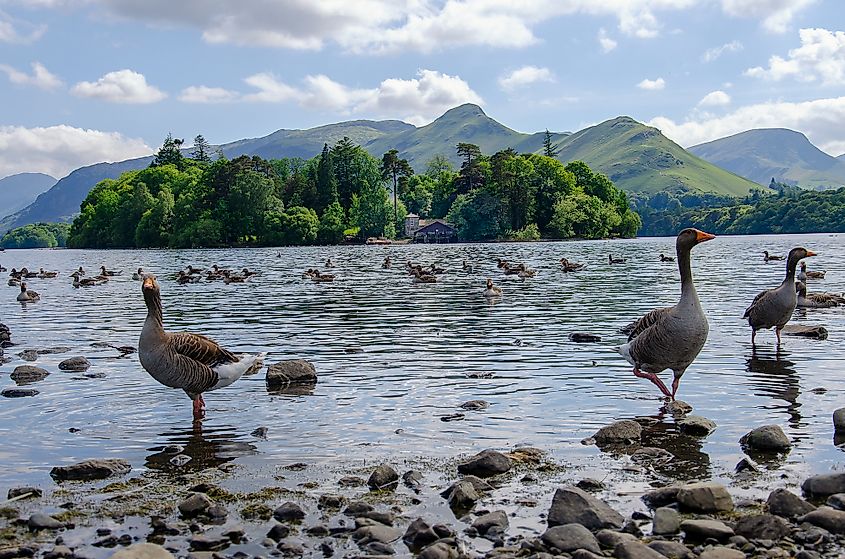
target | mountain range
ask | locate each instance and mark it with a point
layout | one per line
(637, 158)
(785, 155)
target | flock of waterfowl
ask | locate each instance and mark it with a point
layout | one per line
(666, 338)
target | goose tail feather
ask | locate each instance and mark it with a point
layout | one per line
(230, 372)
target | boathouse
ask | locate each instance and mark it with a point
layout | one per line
(432, 231)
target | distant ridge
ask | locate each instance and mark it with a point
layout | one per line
(779, 153)
(636, 157)
(20, 190)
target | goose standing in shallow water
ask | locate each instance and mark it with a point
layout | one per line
(816, 300)
(194, 363)
(672, 337)
(774, 307)
(27, 295)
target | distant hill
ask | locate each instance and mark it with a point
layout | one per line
(637, 158)
(19, 191)
(785, 155)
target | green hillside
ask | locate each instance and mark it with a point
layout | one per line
(785, 155)
(638, 158)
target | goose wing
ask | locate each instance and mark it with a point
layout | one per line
(759, 299)
(201, 349)
(645, 322)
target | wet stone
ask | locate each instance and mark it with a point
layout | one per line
(762, 526)
(787, 504)
(474, 405)
(463, 496)
(376, 533)
(652, 454)
(584, 337)
(91, 469)
(195, 505)
(662, 496)
(357, 508)
(203, 542)
(836, 501)
(383, 477)
(288, 511)
(59, 552)
(746, 465)
(41, 521)
(27, 374)
(700, 530)
(331, 502)
(619, 432)
(143, 551)
(351, 481)
(635, 550)
(830, 519)
(611, 538)
(672, 549)
(443, 549)
(677, 407)
(412, 479)
(278, 532)
(705, 497)
(722, 553)
(572, 505)
(666, 521)
(19, 392)
(32, 492)
(495, 522)
(824, 485)
(290, 372)
(768, 438)
(569, 537)
(696, 426)
(378, 548)
(78, 364)
(839, 419)
(28, 355)
(486, 463)
(590, 484)
(419, 534)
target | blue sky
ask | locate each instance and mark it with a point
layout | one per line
(83, 81)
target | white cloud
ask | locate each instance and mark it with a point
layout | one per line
(821, 57)
(712, 54)
(776, 15)
(820, 120)
(270, 89)
(122, 86)
(207, 95)
(652, 85)
(57, 150)
(40, 78)
(607, 44)
(716, 98)
(15, 31)
(524, 76)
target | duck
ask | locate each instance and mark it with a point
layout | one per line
(435, 270)
(184, 277)
(139, 275)
(27, 295)
(14, 282)
(25, 273)
(84, 282)
(767, 257)
(43, 274)
(307, 274)
(612, 260)
(492, 290)
(15, 274)
(804, 275)
(191, 362)
(501, 263)
(467, 267)
(774, 307)
(248, 273)
(421, 276)
(317, 276)
(234, 278)
(524, 274)
(104, 272)
(664, 258)
(514, 270)
(191, 270)
(816, 300)
(671, 337)
(568, 266)
(278, 254)
(329, 263)
(386, 264)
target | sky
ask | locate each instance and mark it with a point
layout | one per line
(84, 81)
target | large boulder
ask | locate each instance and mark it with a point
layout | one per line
(621, 432)
(696, 426)
(569, 537)
(77, 364)
(762, 527)
(486, 463)
(635, 550)
(143, 551)
(699, 530)
(830, 519)
(91, 469)
(383, 477)
(768, 438)
(571, 505)
(666, 521)
(787, 504)
(290, 372)
(824, 485)
(705, 497)
(839, 419)
(27, 374)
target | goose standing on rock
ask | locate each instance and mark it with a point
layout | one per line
(27, 295)
(192, 362)
(774, 307)
(672, 337)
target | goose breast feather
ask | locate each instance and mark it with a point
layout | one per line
(664, 339)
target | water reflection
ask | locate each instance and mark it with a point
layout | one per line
(207, 448)
(772, 375)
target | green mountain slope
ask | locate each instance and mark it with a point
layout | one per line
(785, 155)
(639, 158)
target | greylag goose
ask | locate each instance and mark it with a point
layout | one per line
(612, 260)
(85, 282)
(568, 266)
(43, 274)
(767, 256)
(501, 263)
(191, 362)
(329, 263)
(14, 282)
(191, 270)
(492, 290)
(804, 275)
(15, 274)
(25, 273)
(774, 307)
(816, 300)
(185, 277)
(664, 258)
(672, 337)
(104, 272)
(386, 264)
(139, 275)
(421, 276)
(27, 295)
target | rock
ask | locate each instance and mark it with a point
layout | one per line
(666, 521)
(584, 338)
(376, 533)
(439, 550)
(290, 372)
(19, 392)
(677, 407)
(720, 552)
(766, 438)
(635, 550)
(27, 374)
(386, 518)
(383, 477)
(278, 532)
(590, 484)
(486, 463)
(705, 497)
(475, 405)
(836, 501)
(696, 426)
(746, 464)
(569, 537)
(495, 522)
(463, 496)
(762, 527)
(143, 551)
(195, 505)
(806, 554)
(288, 511)
(260, 433)
(816, 332)
(452, 417)
(31, 492)
(572, 505)
(351, 481)
(28, 355)
(412, 479)
(204, 542)
(477, 483)
(577, 554)
(59, 552)
(662, 496)
(824, 485)
(41, 521)
(699, 530)
(331, 502)
(787, 504)
(672, 550)
(619, 432)
(419, 534)
(357, 508)
(99, 468)
(611, 538)
(78, 363)
(373, 548)
(287, 549)
(830, 519)
(839, 419)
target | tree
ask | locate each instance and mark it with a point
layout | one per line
(300, 225)
(332, 225)
(418, 194)
(202, 150)
(394, 167)
(470, 172)
(437, 165)
(370, 210)
(326, 181)
(169, 153)
(549, 150)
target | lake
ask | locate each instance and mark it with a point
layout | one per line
(422, 345)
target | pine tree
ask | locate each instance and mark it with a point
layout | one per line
(549, 150)
(326, 181)
(170, 152)
(392, 168)
(202, 150)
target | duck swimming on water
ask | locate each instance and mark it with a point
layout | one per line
(28, 295)
(767, 257)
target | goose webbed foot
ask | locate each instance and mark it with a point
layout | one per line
(655, 380)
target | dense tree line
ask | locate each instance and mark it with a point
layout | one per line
(37, 235)
(344, 192)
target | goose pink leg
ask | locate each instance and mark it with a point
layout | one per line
(199, 408)
(655, 380)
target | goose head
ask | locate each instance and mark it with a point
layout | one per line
(797, 254)
(489, 283)
(690, 237)
(801, 288)
(150, 286)
(23, 287)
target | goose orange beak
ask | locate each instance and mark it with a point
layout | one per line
(811, 253)
(701, 236)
